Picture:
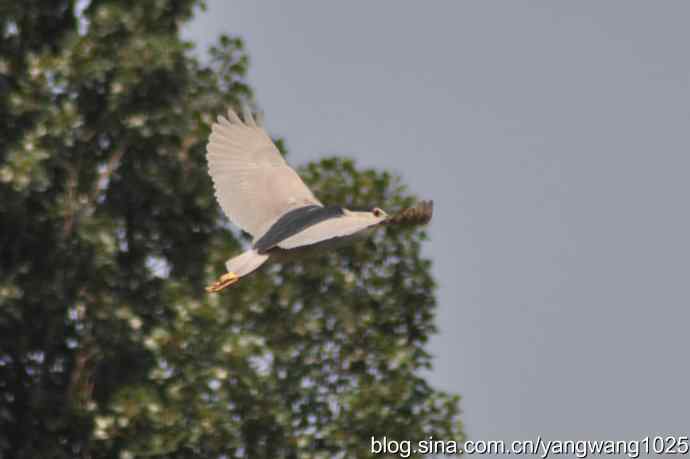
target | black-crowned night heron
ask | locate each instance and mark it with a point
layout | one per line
(264, 196)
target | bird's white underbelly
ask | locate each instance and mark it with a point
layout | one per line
(319, 247)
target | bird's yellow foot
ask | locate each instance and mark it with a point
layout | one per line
(226, 280)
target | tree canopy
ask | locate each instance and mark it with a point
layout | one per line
(109, 345)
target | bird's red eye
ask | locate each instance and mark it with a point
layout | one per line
(376, 212)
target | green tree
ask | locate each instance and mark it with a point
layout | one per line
(109, 345)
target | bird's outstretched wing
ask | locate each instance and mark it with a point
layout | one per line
(254, 185)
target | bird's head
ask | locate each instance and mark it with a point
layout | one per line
(373, 216)
(379, 214)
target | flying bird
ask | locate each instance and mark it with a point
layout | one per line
(264, 196)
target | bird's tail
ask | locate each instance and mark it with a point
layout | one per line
(246, 262)
(238, 267)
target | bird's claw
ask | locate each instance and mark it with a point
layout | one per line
(224, 281)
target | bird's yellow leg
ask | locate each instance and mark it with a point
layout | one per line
(224, 281)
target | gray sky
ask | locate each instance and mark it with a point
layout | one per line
(554, 138)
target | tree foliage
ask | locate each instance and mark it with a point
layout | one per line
(109, 346)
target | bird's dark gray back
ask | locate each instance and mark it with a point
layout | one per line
(294, 222)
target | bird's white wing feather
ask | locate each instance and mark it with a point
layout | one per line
(254, 185)
(341, 227)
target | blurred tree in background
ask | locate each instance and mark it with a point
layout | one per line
(109, 345)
